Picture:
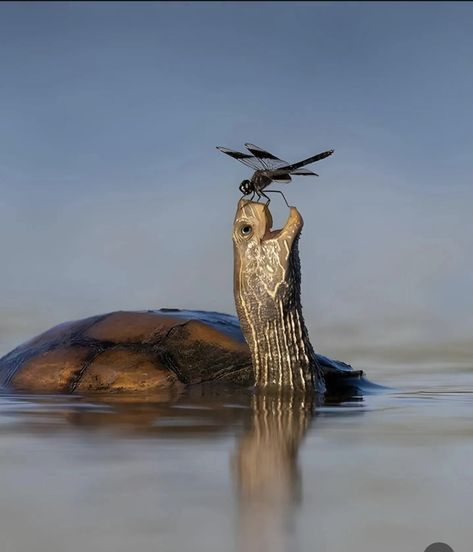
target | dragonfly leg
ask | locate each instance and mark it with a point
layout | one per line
(267, 198)
(278, 192)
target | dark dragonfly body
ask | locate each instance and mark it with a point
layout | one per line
(269, 168)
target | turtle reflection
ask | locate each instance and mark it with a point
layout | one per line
(270, 428)
(267, 472)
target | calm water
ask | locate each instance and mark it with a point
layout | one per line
(217, 470)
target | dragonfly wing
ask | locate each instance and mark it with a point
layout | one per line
(308, 161)
(304, 172)
(248, 160)
(269, 160)
(284, 178)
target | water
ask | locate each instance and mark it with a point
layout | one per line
(221, 469)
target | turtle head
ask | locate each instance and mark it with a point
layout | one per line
(267, 297)
(265, 258)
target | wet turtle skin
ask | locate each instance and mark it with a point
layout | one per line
(143, 351)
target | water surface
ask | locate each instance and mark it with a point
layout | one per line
(224, 469)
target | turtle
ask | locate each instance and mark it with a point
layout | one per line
(166, 349)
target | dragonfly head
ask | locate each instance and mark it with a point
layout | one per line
(245, 187)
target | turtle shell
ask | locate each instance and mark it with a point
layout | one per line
(139, 351)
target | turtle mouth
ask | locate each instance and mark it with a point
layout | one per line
(272, 234)
(252, 213)
(292, 226)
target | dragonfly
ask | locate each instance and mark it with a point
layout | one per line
(269, 168)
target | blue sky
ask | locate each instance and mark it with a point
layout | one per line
(113, 195)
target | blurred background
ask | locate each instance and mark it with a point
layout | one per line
(113, 196)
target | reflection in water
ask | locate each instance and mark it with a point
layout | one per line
(267, 473)
(219, 469)
(196, 412)
(264, 466)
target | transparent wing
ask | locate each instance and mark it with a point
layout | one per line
(318, 157)
(304, 172)
(248, 160)
(268, 160)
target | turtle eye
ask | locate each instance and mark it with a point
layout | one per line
(246, 230)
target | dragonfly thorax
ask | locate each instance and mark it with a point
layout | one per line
(261, 179)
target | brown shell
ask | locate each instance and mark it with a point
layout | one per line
(143, 351)
(130, 351)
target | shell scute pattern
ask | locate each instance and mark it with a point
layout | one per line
(129, 351)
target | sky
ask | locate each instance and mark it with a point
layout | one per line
(113, 196)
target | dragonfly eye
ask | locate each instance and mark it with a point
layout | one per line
(246, 230)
